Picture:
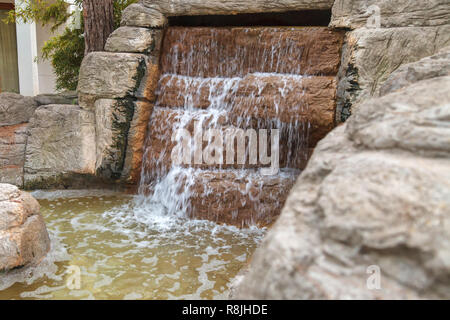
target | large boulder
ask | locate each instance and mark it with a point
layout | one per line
(15, 109)
(369, 217)
(133, 40)
(61, 145)
(107, 75)
(392, 13)
(137, 15)
(23, 236)
(371, 55)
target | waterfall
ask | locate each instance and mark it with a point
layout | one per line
(232, 79)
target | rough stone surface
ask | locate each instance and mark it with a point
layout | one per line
(431, 67)
(371, 55)
(112, 118)
(375, 193)
(69, 97)
(245, 200)
(214, 7)
(136, 141)
(137, 15)
(234, 52)
(15, 109)
(393, 13)
(61, 143)
(12, 153)
(23, 236)
(106, 75)
(131, 39)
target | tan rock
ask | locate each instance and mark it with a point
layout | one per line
(393, 13)
(131, 39)
(214, 7)
(137, 15)
(15, 109)
(106, 75)
(61, 144)
(371, 55)
(23, 236)
(12, 153)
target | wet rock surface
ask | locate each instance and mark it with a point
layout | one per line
(239, 51)
(23, 236)
(374, 197)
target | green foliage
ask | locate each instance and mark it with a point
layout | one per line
(47, 13)
(64, 51)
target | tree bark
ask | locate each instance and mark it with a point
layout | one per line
(98, 23)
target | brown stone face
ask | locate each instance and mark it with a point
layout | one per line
(232, 52)
(225, 197)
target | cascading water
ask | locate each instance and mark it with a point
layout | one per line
(230, 79)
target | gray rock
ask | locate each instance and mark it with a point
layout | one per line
(23, 236)
(137, 15)
(12, 153)
(214, 7)
(393, 13)
(374, 197)
(427, 68)
(61, 144)
(371, 55)
(109, 75)
(60, 98)
(113, 120)
(131, 39)
(15, 109)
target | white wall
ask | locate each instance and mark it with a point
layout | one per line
(35, 77)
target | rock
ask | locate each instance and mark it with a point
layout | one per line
(60, 98)
(334, 236)
(235, 52)
(131, 39)
(15, 109)
(371, 55)
(137, 15)
(136, 141)
(110, 76)
(216, 7)
(431, 67)
(260, 97)
(113, 119)
(61, 145)
(23, 236)
(393, 13)
(246, 199)
(12, 153)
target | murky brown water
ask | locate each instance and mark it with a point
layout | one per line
(126, 248)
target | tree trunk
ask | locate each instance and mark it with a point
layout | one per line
(98, 23)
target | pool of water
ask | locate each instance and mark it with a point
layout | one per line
(126, 247)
